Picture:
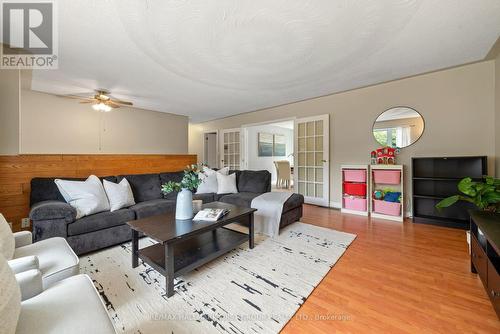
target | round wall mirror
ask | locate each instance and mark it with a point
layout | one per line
(398, 127)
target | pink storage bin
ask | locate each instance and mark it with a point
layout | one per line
(387, 176)
(355, 175)
(356, 204)
(387, 208)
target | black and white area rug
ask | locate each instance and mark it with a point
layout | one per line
(245, 291)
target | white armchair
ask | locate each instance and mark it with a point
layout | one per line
(24, 264)
(30, 283)
(53, 257)
(22, 238)
(69, 306)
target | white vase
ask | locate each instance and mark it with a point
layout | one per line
(184, 205)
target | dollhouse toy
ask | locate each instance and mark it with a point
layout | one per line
(384, 156)
(373, 158)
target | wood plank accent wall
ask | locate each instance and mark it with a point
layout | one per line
(16, 172)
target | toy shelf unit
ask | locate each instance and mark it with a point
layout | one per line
(386, 192)
(355, 189)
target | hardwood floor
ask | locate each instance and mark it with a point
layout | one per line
(395, 278)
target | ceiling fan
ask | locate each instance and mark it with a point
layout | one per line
(101, 100)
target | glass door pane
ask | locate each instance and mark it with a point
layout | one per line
(311, 156)
(231, 148)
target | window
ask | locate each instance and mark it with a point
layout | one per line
(386, 137)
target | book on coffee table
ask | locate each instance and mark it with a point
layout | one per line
(210, 214)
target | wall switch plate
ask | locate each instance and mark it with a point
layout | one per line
(25, 222)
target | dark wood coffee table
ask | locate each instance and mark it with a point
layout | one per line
(184, 245)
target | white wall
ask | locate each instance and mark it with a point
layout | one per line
(51, 124)
(266, 163)
(458, 106)
(497, 114)
(9, 111)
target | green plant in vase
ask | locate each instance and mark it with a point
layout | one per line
(485, 194)
(190, 181)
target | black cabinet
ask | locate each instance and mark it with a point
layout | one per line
(434, 179)
(485, 253)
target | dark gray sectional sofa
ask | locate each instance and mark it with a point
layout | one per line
(53, 217)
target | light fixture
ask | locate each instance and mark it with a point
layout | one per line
(101, 101)
(101, 107)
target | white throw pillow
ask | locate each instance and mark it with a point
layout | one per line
(10, 298)
(226, 184)
(209, 180)
(119, 194)
(7, 242)
(87, 197)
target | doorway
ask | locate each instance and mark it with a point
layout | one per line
(270, 146)
(210, 152)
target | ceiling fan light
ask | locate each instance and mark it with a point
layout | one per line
(101, 107)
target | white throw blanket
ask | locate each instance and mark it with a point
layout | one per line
(268, 215)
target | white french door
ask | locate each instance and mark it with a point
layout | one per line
(230, 148)
(311, 159)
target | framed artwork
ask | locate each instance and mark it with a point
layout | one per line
(265, 144)
(279, 149)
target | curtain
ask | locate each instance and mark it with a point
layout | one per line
(403, 136)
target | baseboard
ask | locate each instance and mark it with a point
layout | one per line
(336, 205)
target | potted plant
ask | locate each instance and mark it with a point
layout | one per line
(485, 195)
(189, 183)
